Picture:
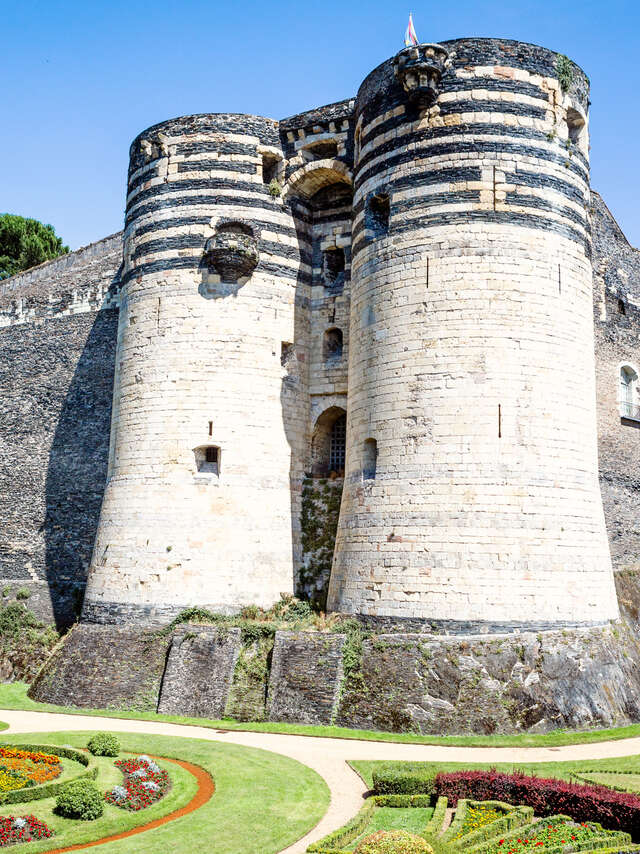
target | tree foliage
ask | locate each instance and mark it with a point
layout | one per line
(25, 243)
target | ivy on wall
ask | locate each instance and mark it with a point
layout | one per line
(319, 524)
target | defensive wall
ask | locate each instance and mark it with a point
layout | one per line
(271, 271)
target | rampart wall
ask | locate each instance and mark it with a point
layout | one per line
(57, 348)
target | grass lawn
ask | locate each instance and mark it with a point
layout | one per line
(263, 801)
(413, 820)
(629, 765)
(14, 696)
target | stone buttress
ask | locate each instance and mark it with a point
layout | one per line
(471, 493)
(205, 462)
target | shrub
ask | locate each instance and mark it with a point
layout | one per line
(82, 800)
(409, 781)
(104, 744)
(23, 593)
(402, 800)
(614, 810)
(393, 842)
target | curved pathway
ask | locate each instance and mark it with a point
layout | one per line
(206, 788)
(327, 756)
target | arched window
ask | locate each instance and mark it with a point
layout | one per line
(337, 444)
(628, 393)
(370, 459)
(328, 444)
(332, 345)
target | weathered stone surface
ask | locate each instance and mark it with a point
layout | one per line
(305, 678)
(583, 678)
(104, 667)
(199, 671)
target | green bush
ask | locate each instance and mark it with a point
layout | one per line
(393, 842)
(104, 744)
(410, 781)
(82, 800)
(402, 800)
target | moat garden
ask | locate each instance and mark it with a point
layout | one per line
(143, 792)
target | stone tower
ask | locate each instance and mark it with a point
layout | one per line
(207, 424)
(471, 493)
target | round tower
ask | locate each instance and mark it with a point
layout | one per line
(471, 495)
(205, 461)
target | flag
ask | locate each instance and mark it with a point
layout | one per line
(410, 36)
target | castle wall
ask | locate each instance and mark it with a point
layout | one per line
(617, 342)
(57, 348)
(470, 310)
(200, 365)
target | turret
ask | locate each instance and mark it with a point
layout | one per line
(205, 462)
(471, 495)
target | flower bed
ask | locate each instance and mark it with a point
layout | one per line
(26, 828)
(144, 784)
(478, 815)
(548, 836)
(20, 769)
(614, 810)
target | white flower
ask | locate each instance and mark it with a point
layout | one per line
(141, 774)
(119, 793)
(19, 823)
(151, 785)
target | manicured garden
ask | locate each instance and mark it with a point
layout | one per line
(262, 801)
(395, 820)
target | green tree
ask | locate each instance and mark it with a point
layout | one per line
(25, 243)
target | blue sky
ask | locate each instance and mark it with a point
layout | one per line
(81, 79)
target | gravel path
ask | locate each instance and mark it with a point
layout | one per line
(327, 756)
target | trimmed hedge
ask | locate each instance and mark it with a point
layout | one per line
(334, 842)
(48, 790)
(516, 818)
(409, 781)
(614, 810)
(402, 800)
(461, 815)
(437, 819)
(393, 842)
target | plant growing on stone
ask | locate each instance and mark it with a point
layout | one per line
(275, 189)
(564, 70)
(80, 800)
(104, 744)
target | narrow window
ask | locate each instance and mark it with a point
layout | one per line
(337, 444)
(370, 459)
(628, 381)
(622, 308)
(377, 214)
(208, 459)
(269, 168)
(332, 345)
(333, 268)
(286, 352)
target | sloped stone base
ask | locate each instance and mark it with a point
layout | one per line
(403, 682)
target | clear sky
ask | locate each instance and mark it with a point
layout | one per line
(81, 78)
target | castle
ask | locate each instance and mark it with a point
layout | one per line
(413, 293)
